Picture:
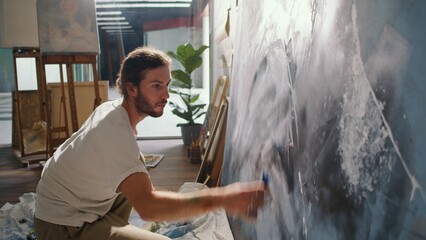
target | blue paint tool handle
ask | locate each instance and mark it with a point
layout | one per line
(265, 179)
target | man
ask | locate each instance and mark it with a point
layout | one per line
(90, 184)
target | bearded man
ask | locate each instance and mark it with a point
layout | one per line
(92, 181)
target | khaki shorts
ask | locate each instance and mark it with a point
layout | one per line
(114, 225)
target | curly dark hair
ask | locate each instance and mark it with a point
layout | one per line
(137, 63)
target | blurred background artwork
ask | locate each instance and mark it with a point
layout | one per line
(67, 26)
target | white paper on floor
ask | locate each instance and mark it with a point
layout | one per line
(17, 221)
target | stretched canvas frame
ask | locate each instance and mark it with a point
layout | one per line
(67, 26)
(219, 94)
(211, 166)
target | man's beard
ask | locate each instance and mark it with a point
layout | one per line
(143, 106)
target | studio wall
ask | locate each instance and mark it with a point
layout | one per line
(7, 73)
(18, 24)
(328, 99)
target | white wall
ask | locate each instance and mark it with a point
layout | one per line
(18, 23)
(222, 48)
(170, 39)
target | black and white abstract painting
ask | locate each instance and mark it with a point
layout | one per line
(328, 99)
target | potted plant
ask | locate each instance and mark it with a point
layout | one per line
(182, 85)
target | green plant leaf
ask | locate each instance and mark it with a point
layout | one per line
(200, 50)
(181, 124)
(184, 115)
(195, 111)
(192, 63)
(194, 98)
(182, 77)
(185, 98)
(195, 60)
(194, 107)
(185, 50)
(176, 106)
(177, 57)
(199, 115)
(177, 85)
(173, 55)
(173, 91)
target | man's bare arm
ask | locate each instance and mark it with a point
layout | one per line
(241, 199)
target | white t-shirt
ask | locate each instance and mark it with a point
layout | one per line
(79, 182)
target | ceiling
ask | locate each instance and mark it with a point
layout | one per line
(137, 17)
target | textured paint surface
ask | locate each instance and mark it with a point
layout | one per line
(328, 98)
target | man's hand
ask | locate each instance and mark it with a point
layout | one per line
(244, 199)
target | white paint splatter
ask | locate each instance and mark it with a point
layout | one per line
(363, 120)
(305, 228)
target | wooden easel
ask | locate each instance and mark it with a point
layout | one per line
(68, 60)
(24, 155)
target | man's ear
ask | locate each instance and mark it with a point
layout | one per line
(132, 89)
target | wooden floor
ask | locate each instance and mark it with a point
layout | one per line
(169, 174)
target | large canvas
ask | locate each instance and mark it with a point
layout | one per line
(328, 99)
(67, 26)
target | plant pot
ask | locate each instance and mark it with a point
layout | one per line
(190, 133)
(194, 154)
